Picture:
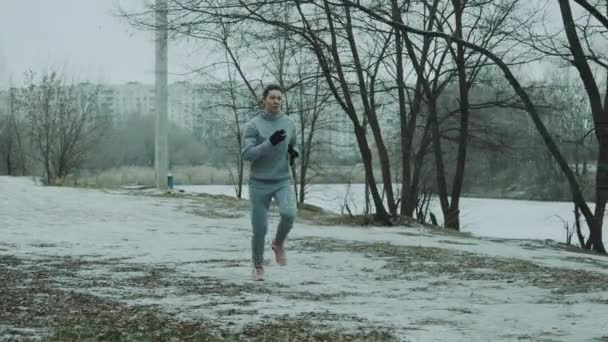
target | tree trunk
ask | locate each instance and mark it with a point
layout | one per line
(9, 164)
(452, 219)
(418, 163)
(600, 120)
(409, 190)
(241, 169)
(405, 139)
(409, 186)
(601, 195)
(442, 188)
(370, 113)
(366, 155)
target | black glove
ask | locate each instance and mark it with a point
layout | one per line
(277, 137)
(293, 154)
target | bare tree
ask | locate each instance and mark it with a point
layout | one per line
(577, 195)
(235, 126)
(64, 121)
(12, 146)
(434, 73)
(313, 120)
(599, 112)
(7, 143)
(579, 45)
(231, 117)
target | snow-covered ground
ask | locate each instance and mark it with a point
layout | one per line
(416, 283)
(502, 218)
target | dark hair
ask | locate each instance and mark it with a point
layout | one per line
(269, 88)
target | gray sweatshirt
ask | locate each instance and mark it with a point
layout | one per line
(268, 163)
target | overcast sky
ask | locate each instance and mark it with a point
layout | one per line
(82, 38)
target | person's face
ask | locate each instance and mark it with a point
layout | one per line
(272, 102)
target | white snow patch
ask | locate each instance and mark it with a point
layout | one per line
(38, 222)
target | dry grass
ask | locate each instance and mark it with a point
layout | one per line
(193, 175)
(113, 178)
(413, 262)
(33, 306)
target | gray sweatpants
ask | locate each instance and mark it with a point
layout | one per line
(260, 195)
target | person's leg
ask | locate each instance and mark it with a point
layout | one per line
(259, 200)
(287, 211)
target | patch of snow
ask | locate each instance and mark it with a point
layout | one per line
(40, 222)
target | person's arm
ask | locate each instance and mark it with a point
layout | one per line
(251, 150)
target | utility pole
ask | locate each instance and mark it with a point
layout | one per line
(161, 143)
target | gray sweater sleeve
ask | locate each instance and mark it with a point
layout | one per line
(251, 149)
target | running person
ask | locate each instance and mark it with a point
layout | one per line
(269, 144)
